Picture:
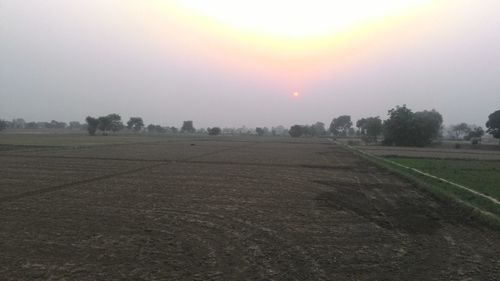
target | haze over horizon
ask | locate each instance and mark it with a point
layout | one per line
(229, 63)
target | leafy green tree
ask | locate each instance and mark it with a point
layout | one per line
(187, 127)
(296, 131)
(341, 125)
(92, 125)
(405, 128)
(215, 131)
(493, 124)
(135, 123)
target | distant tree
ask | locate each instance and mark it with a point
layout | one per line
(360, 125)
(405, 128)
(370, 128)
(151, 128)
(461, 130)
(56, 125)
(92, 125)
(475, 135)
(341, 125)
(116, 122)
(201, 131)
(215, 131)
(104, 124)
(259, 131)
(279, 131)
(187, 127)
(135, 123)
(318, 129)
(18, 123)
(3, 125)
(75, 125)
(173, 130)
(31, 125)
(493, 124)
(43, 125)
(296, 131)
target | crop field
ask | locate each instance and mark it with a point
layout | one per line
(480, 175)
(193, 208)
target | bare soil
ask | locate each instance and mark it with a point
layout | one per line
(227, 210)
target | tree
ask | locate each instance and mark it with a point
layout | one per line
(493, 124)
(116, 122)
(75, 125)
(187, 127)
(341, 125)
(156, 129)
(3, 125)
(18, 123)
(56, 125)
(318, 129)
(92, 125)
(31, 125)
(104, 124)
(296, 131)
(460, 130)
(475, 135)
(279, 131)
(215, 131)
(259, 131)
(135, 123)
(370, 128)
(405, 128)
(427, 126)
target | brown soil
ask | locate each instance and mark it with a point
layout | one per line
(223, 210)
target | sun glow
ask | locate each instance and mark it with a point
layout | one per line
(296, 94)
(291, 42)
(297, 20)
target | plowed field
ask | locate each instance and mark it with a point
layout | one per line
(221, 209)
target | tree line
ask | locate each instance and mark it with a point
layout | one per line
(403, 127)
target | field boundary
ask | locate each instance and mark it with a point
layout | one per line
(482, 214)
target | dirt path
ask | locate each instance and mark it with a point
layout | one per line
(229, 211)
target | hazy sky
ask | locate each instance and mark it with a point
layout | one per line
(234, 63)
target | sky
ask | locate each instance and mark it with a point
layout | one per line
(233, 63)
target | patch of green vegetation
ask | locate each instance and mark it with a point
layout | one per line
(480, 175)
(471, 205)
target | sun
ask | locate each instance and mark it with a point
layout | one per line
(296, 94)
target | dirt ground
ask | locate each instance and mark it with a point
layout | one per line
(221, 209)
